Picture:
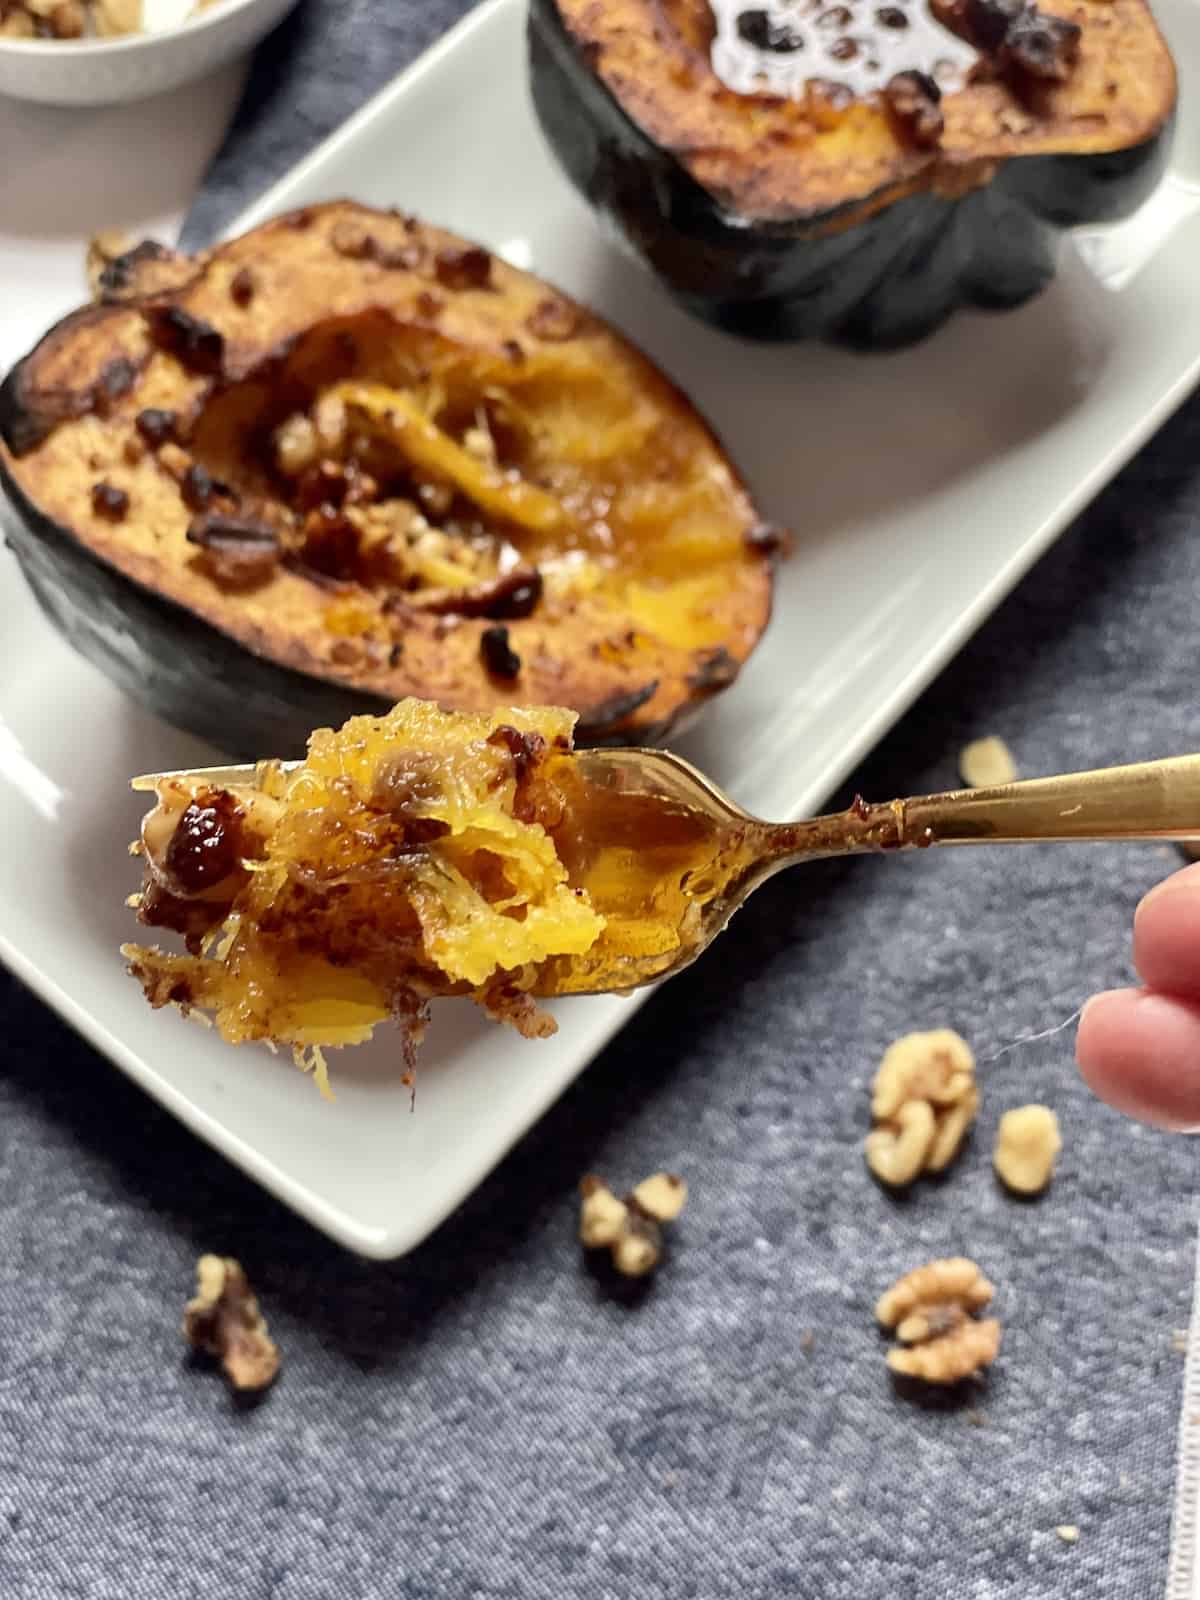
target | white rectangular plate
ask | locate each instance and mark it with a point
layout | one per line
(922, 485)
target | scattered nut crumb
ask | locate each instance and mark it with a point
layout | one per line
(1027, 1143)
(175, 459)
(224, 1320)
(923, 1101)
(1067, 1532)
(986, 763)
(1179, 1341)
(930, 1310)
(103, 249)
(807, 1340)
(631, 1228)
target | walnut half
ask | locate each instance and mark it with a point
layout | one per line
(224, 1320)
(631, 1229)
(923, 1101)
(931, 1310)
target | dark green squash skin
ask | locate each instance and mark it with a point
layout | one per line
(880, 283)
(166, 658)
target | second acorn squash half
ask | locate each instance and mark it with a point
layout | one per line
(864, 217)
(348, 458)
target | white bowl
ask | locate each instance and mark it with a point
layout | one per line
(175, 49)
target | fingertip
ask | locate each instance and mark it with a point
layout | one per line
(1166, 934)
(1140, 1052)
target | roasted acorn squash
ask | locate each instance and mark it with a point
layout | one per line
(348, 458)
(870, 199)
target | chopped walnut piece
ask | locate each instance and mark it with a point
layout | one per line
(241, 287)
(1014, 121)
(923, 1101)
(630, 1229)
(930, 1311)
(1067, 1532)
(175, 459)
(638, 1249)
(897, 1151)
(103, 249)
(986, 763)
(114, 18)
(913, 103)
(662, 1197)
(297, 446)
(68, 20)
(1027, 1144)
(237, 552)
(554, 320)
(224, 1320)
(352, 240)
(601, 1215)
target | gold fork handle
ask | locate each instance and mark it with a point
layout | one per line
(1148, 800)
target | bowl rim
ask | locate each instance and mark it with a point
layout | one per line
(66, 50)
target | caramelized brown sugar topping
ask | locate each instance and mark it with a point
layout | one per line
(779, 133)
(357, 444)
(422, 854)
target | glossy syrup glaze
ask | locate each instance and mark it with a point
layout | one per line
(857, 44)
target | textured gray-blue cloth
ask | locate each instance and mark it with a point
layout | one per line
(487, 1418)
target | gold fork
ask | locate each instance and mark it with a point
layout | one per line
(662, 845)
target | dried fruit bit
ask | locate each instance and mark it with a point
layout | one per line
(765, 32)
(1027, 1143)
(913, 103)
(109, 502)
(224, 1320)
(931, 1310)
(986, 763)
(467, 267)
(499, 657)
(1067, 1532)
(923, 1101)
(630, 1229)
(156, 426)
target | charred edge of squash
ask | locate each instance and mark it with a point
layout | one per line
(29, 412)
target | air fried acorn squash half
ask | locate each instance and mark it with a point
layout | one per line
(348, 458)
(850, 169)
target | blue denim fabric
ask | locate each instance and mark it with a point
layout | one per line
(483, 1418)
